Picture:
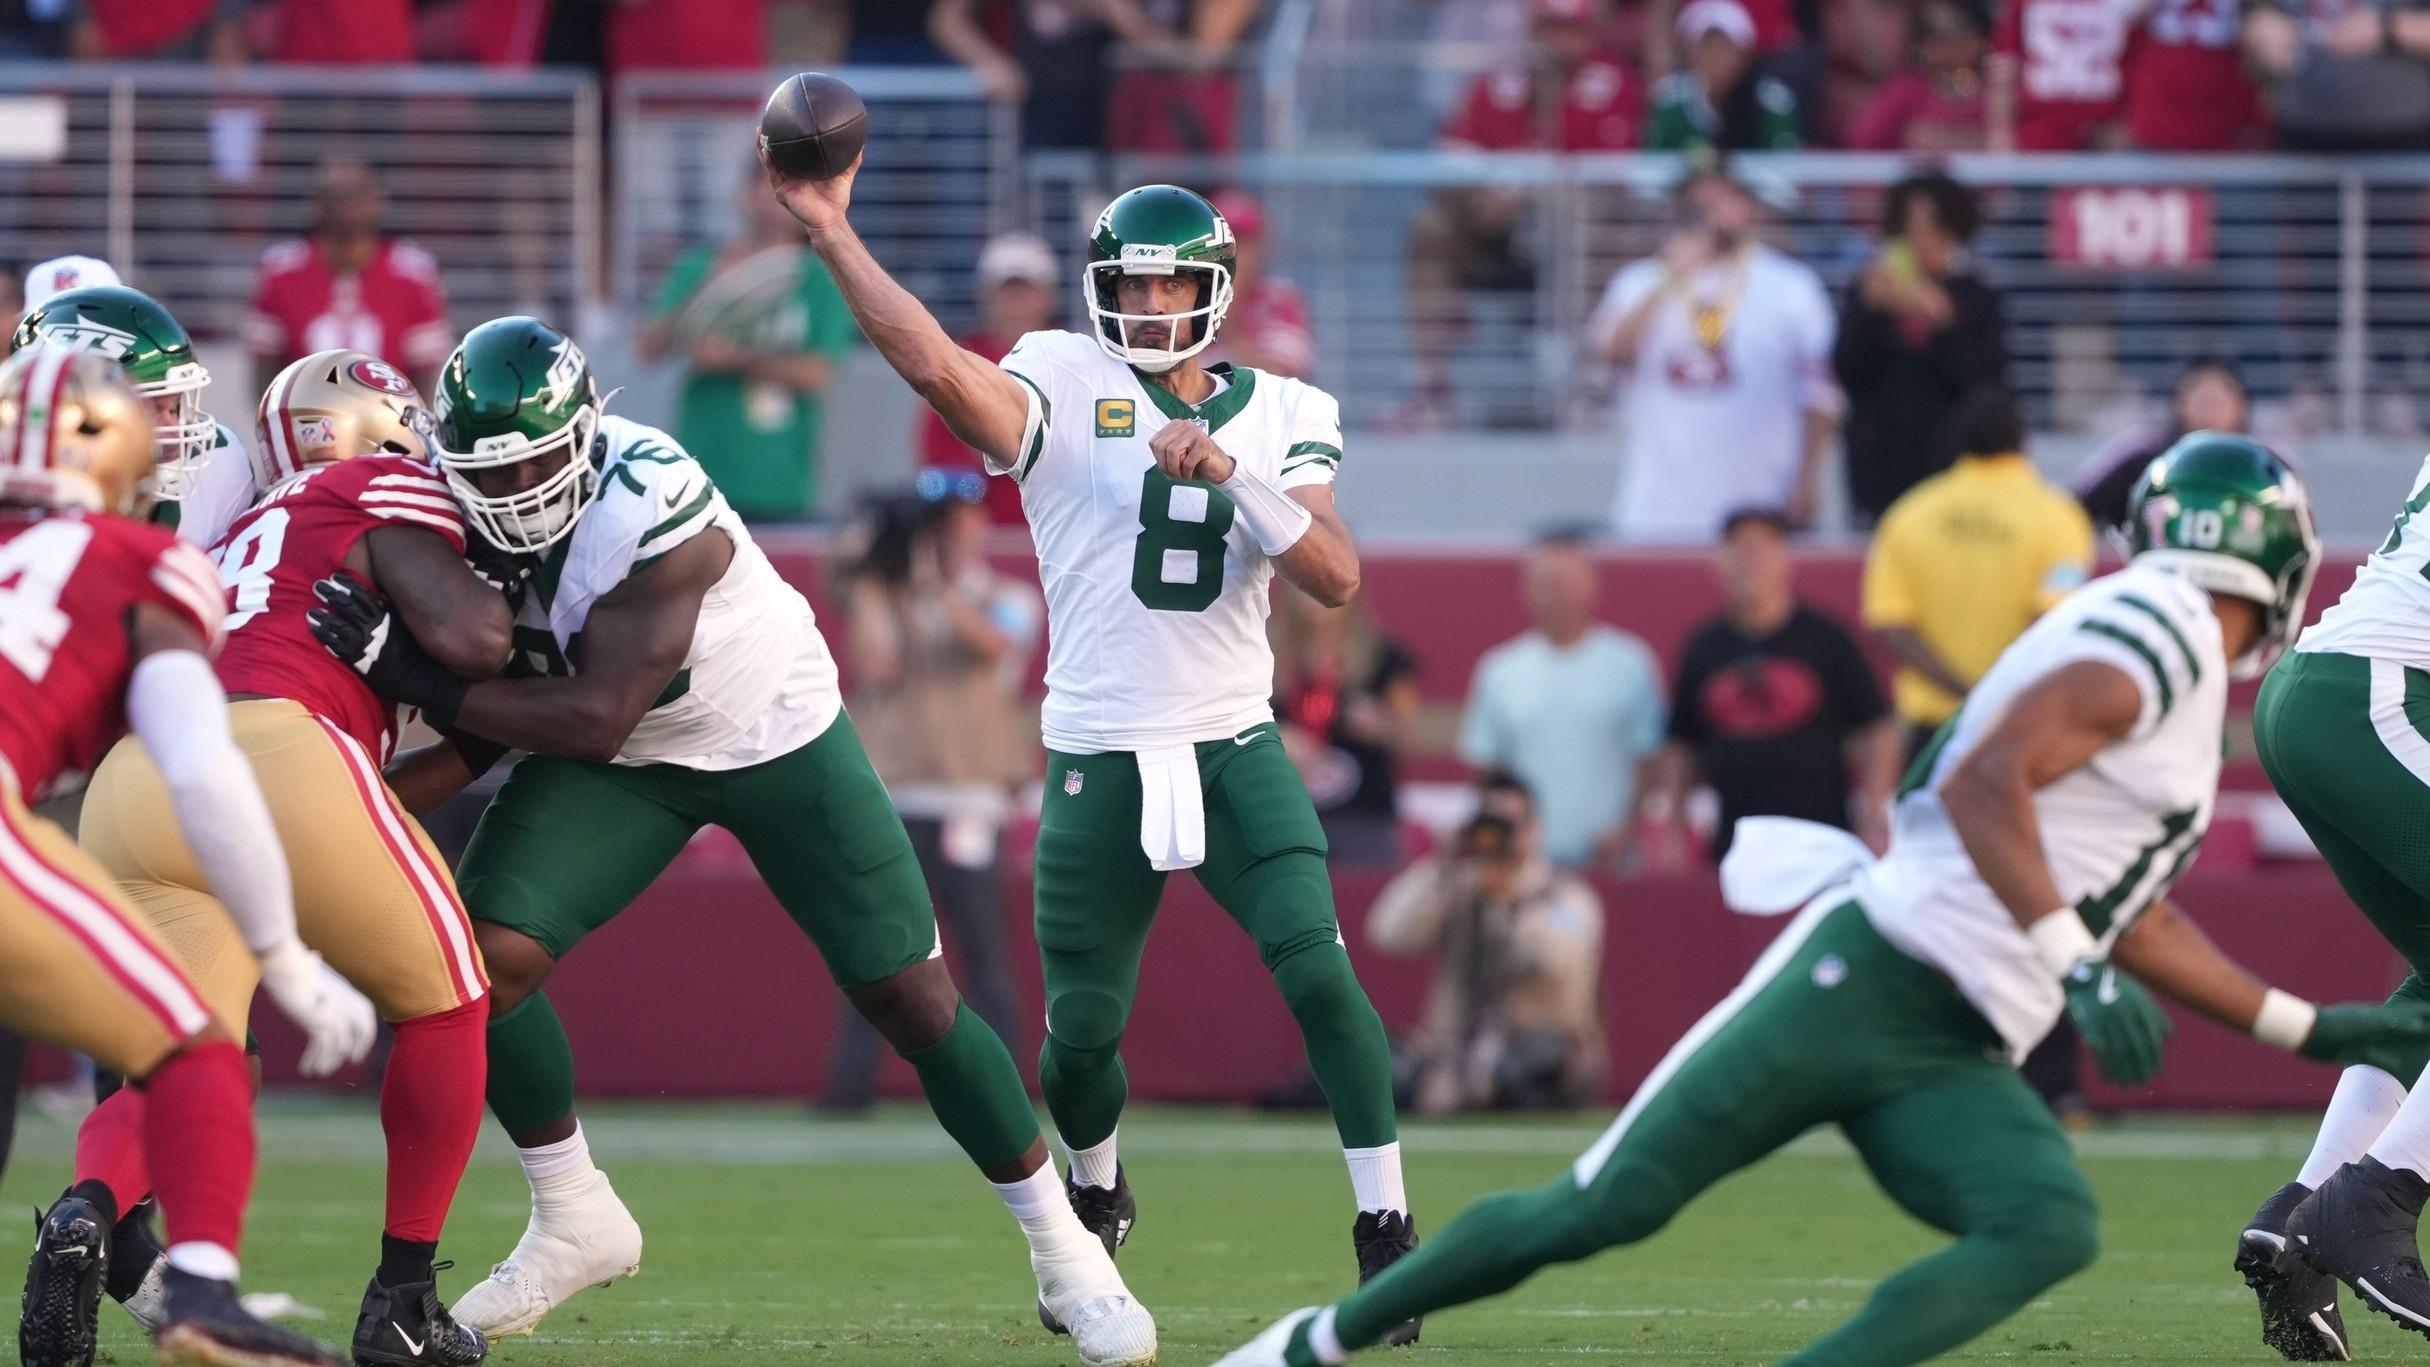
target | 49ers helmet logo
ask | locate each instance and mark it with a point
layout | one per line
(380, 376)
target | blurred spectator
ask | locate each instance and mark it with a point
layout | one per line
(1347, 697)
(2186, 86)
(1567, 96)
(1776, 30)
(333, 32)
(1514, 1020)
(1574, 708)
(891, 33)
(1864, 44)
(1774, 706)
(686, 35)
(59, 275)
(1936, 103)
(1719, 99)
(1182, 94)
(2057, 75)
(2344, 75)
(1059, 66)
(1967, 560)
(2209, 396)
(1017, 278)
(161, 30)
(43, 30)
(938, 646)
(1725, 390)
(1920, 330)
(1267, 328)
(761, 327)
(348, 285)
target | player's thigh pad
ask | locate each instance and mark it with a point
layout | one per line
(1266, 847)
(78, 966)
(566, 845)
(825, 837)
(1093, 889)
(2344, 741)
(1974, 1152)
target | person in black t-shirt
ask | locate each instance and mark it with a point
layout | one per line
(1774, 706)
(1347, 697)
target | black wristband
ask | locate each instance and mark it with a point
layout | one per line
(434, 688)
(479, 755)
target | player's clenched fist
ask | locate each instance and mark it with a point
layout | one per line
(1185, 450)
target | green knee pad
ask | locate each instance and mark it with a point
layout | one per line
(1086, 1020)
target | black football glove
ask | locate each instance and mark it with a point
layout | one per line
(357, 627)
(507, 572)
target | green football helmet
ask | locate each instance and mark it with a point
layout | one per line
(1158, 230)
(518, 390)
(131, 328)
(2226, 512)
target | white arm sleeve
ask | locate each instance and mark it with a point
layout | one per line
(177, 708)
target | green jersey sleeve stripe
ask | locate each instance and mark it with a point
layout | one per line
(2193, 663)
(2168, 696)
(1314, 448)
(1046, 419)
(681, 515)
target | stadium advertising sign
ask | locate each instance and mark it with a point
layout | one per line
(2131, 227)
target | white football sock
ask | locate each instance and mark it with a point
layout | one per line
(1325, 1341)
(198, 1259)
(562, 1166)
(1045, 1213)
(1375, 1178)
(2365, 1101)
(1096, 1165)
(2405, 1143)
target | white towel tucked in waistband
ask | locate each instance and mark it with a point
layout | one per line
(1777, 864)
(1172, 811)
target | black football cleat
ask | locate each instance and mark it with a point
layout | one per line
(206, 1327)
(2299, 1315)
(1382, 1239)
(58, 1316)
(2359, 1228)
(406, 1326)
(1108, 1213)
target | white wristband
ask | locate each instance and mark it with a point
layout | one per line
(1273, 517)
(2284, 1021)
(2062, 940)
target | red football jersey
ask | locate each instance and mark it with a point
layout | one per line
(1600, 108)
(392, 308)
(2187, 89)
(296, 536)
(2068, 56)
(67, 583)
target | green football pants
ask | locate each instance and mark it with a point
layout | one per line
(1831, 1025)
(1097, 895)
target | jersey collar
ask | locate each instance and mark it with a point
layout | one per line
(1218, 409)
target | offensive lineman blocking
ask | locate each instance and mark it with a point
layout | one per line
(1156, 543)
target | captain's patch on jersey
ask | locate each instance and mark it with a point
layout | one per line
(1117, 417)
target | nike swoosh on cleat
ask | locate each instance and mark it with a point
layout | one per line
(414, 1347)
(2320, 1322)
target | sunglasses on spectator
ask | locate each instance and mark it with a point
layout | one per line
(950, 486)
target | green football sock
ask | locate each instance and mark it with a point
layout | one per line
(531, 1067)
(1346, 1044)
(976, 1092)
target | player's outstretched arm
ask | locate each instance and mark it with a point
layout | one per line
(453, 612)
(985, 407)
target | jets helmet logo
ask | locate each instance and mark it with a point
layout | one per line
(86, 335)
(564, 373)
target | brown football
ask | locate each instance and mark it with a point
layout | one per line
(814, 126)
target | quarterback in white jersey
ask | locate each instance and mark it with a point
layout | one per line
(2025, 861)
(670, 680)
(1164, 496)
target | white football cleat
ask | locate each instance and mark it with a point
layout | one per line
(579, 1239)
(1084, 1293)
(1266, 1350)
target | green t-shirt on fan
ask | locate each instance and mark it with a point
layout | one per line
(757, 440)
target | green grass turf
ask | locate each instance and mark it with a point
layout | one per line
(778, 1237)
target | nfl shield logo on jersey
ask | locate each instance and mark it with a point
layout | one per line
(1072, 779)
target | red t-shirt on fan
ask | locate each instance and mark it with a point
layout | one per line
(67, 584)
(2068, 56)
(2186, 86)
(1600, 110)
(296, 536)
(357, 32)
(684, 35)
(392, 308)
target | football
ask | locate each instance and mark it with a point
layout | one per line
(814, 126)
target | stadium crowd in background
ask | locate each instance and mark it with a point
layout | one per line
(1346, 696)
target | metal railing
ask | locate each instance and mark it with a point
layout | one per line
(181, 175)
(2312, 273)
(940, 174)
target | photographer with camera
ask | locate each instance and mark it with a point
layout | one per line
(1514, 1021)
(937, 646)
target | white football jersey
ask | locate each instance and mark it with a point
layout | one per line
(2116, 832)
(758, 681)
(218, 493)
(2385, 614)
(1156, 599)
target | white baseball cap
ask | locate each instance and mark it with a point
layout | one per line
(63, 273)
(1016, 256)
(1725, 17)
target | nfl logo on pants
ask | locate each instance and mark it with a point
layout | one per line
(1072, 779)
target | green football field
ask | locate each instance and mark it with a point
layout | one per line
(777, 1236)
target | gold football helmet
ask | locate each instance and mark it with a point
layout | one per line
(74, 433)
(335, 405)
